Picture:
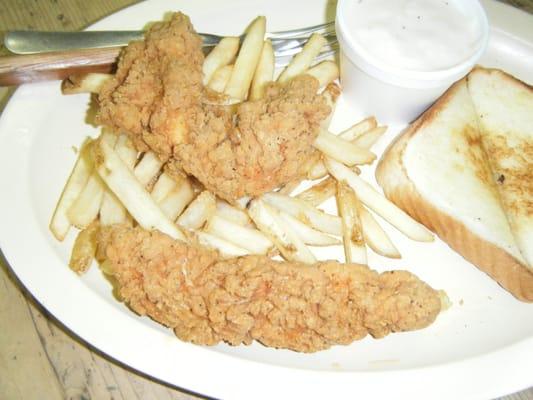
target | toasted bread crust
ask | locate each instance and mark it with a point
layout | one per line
(510, 79)
(392, 176)
(497, 263)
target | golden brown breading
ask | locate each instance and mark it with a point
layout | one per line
(157, 80)
(280, 304)
(263, 145)
(157, 97)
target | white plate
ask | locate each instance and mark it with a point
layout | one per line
(481, 348)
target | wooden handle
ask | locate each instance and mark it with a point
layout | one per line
(18, 69)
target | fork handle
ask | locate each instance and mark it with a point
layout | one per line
(18, 69)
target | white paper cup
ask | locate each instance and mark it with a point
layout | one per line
(392, 94)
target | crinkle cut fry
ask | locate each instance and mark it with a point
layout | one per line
(284, 305)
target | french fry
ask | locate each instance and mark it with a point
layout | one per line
(84, 83)
(225, 248)
(369, 138)
(352, 232)
(375, 236)
(177, 199)
(220, 78)
(307, 234)
(222, 54)
(248, 238)
(325, 72)
(319, 193)
(357, 134)
(84, 249)
(358, 129)
(233, 214)
(85, 208)
(162, 187)
(264, 72)
(60, 223)
(147, 168)
(379, 203)
(330, 94)
(301, 61)
(111, 210)
(126, 151)
(109, 137)
(132, 193)
(317, 171)
(305, 212)
(198, 211)
(289, 187)
(289, 244)
(246, 62)
(342, 150)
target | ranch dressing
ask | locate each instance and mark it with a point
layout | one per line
(419, 35)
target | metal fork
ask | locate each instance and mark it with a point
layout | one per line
(284, 43)
(32, 42)
(56, 55)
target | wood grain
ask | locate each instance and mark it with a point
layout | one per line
(39, 358)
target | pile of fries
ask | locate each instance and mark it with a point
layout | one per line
(112, 183)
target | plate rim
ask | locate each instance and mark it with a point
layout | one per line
(286, 375)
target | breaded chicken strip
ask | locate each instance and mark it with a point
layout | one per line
(280, 304)
(157, 97)
(263, 145)
(157, 81)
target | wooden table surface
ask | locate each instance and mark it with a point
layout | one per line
(40, 358)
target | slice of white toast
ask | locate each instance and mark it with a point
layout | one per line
(504, 106)
(438, 172)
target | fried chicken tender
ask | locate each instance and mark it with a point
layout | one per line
(280, 304)
(157, 97)
(156, 82)
(263, 145)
